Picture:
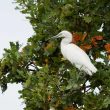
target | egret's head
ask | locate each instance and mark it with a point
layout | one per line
(63, 34)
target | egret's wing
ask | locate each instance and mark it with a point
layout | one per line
(75, 54)
(78, 57)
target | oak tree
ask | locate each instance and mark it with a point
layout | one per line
(47, 79)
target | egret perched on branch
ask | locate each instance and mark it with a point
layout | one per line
(75, 54)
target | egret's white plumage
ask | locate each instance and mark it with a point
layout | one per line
(75, 54)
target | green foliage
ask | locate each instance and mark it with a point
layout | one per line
(47, 79)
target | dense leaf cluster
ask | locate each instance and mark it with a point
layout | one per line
(49, 80)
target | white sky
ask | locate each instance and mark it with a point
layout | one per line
(13, 27)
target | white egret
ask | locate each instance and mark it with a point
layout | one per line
(75, 54)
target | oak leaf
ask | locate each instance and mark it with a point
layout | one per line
(109, 57)
(84, 36)
(98, 37)
(49, 45)
(49, 98)
(93, 40)
(70, 108)
(86, 47)
(76, 38)
(107, 48)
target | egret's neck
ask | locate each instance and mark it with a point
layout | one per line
(66, 41)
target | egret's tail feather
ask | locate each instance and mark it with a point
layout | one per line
(93, 68)
(90, 70)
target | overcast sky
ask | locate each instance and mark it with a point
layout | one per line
(13, 27)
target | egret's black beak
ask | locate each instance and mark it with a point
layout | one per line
(54, 37)
(57, 36)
